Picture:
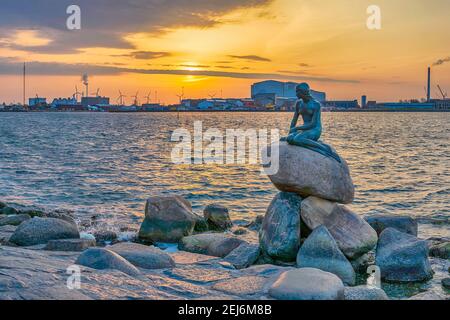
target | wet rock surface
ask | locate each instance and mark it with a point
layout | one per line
(167, 219)
(321, 251)
(402, 224)
(279, 236)
(402, 257)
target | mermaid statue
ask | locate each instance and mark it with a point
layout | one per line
(308, 135)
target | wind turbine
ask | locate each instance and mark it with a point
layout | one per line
(120, 99)
(136, 102)
(181, 96)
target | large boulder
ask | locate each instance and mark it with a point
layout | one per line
(402, 257)
(41, 230)
(353, 234)
(279, 236)
(243, 256)
(309, 173)
(321, 251)
(143, 256)
(14, 220)
(101, 259)
(167, 219)
(401, 223)
(364, 293)
(211, 244)
(307, 284)
(217, 217)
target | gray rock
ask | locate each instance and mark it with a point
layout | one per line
(307, 284)
(224, 247)
(14, 220)
(321, 251)
(201, 225)
(402, 257)
(279, 236)
(72, 245)
(101, 259)
(441, 250)
(41, 230)
(143, 256)
(105, 236)
(212, 244)
(256, 224)
(59, 214)
(2, 205)
(217, 217)
(361, 264)
(167, 219)
(402, 224)
(428, 296)
(8, 211)
(309, 173)
(240, 231)
(353, 234)
(364, 293)
(243, 256)
(6, 232)
(446, 283)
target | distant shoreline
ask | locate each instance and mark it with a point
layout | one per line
(237, 111)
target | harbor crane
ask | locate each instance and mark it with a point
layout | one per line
(148, 97)
(444, 95)
(77, 93)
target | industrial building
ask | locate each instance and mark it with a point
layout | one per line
(93, 101)
(37, 101)
(282, 90)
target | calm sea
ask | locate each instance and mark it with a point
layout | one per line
(108, 164)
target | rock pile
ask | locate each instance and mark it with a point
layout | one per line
(309, 225)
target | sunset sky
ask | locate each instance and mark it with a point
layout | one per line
(214, 46)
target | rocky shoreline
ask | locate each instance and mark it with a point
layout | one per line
(308, 246)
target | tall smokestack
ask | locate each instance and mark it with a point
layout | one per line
(429, 85)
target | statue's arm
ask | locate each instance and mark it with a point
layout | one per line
(296, 115)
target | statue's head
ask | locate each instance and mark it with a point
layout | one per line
(303, 91)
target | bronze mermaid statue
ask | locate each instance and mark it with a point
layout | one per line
(308, 135)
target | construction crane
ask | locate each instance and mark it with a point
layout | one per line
(148, 97)
(444, 95)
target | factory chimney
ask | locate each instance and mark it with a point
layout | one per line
(429, 85)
